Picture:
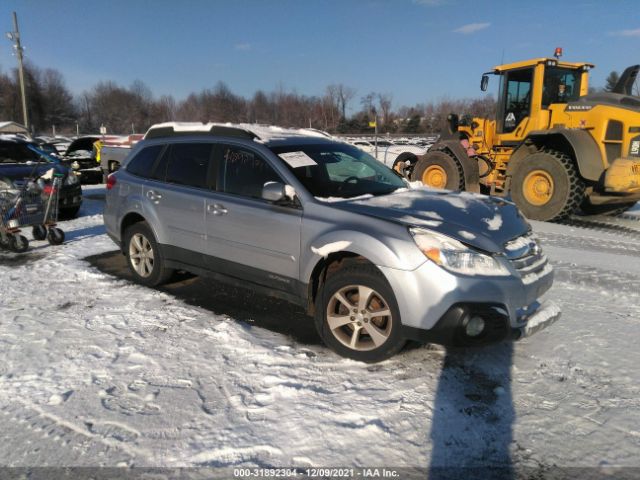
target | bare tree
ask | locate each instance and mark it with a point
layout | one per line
(343, 95)
(384, 100)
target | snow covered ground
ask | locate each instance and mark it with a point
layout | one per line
(95, 370)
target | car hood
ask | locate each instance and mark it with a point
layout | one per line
(480, 221)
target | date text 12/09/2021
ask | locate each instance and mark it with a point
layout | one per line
(313, 473)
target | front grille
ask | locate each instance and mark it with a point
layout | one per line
(527, 258)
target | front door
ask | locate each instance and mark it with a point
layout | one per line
(247, 237)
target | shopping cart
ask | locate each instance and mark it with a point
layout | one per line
(34, 204)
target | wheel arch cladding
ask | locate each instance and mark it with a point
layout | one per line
(129, 219)
(578, 144)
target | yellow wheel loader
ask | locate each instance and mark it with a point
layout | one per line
(554, 148)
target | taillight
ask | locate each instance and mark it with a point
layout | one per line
(48, 189)
(111, 181)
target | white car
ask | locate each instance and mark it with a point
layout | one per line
(401, 158)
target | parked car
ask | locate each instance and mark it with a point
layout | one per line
(401, 158)
(81, 158)
(21, 160)
(323, 224)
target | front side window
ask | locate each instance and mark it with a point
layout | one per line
(339, 170)
(243, 172)
(561, 85)
(142, 164)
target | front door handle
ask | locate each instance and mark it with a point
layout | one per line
(216, 209)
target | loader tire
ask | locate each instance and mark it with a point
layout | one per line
(439, 170)
(609, 210)
(546, 186)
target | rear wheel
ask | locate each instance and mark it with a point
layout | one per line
(439, 170)
(144, 257)
(357, 315)
(404, 164)
(546, 186)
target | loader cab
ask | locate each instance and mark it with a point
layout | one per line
(529, 88)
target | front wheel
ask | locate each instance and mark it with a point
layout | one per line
(546, 186)
(144, 257)
(357, 315)
(439, 170)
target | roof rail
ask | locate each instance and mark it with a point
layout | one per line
(173, 129)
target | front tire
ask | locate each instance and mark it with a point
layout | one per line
(144, 257)
(357, 315)
(437, 169)
(546, 186)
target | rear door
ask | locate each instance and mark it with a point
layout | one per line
(247, 237)
(175, 196)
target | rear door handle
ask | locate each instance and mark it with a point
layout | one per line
(153, 196)
(216, 209)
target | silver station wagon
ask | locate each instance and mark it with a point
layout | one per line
(301, 216)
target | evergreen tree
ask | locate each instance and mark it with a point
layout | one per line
(612, 80)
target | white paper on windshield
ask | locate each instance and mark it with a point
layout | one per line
(297, 159)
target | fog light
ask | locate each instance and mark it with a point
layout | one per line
(474, 327)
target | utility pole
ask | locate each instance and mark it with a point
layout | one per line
(17, 46)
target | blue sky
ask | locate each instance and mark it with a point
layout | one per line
(416, 50)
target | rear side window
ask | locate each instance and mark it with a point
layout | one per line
(188, 164)
(243, 172)
(142, 164)
(13, 152)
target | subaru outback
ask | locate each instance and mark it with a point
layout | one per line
(316, 221)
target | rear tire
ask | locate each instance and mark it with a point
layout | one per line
(546, 186)
(144, 256)
(437, 169)
(350, 326)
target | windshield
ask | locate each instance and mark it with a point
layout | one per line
(338, 170)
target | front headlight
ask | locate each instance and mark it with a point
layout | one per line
(72, 178)
(456, 257)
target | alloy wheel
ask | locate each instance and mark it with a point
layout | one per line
(359, 317)
(141, 255)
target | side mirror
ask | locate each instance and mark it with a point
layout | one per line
(274, 192)
(454, 122)
(484, 83)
